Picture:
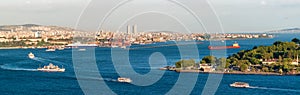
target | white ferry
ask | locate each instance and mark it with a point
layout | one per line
(51, 68)
(31, 55)
(240, 85)
(128, 80)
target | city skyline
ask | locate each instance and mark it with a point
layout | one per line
(235, 15)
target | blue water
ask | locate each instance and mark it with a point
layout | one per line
(19, 76)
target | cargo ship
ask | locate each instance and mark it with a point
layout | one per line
(235, 45)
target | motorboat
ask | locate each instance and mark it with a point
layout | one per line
(128, 80)
(31, 55)
(240, 85)
(51, 68)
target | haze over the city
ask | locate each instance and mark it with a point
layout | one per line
(234, 15)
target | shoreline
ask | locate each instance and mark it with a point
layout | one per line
(10, 48)
(232, 73)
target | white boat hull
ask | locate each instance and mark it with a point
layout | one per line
(124, 80)
(51, 70)
(30, 55)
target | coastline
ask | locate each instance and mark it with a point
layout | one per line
(233, 73)
(10, 48)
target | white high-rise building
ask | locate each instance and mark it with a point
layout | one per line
(135, 29)
(128, 29)
(37, 34)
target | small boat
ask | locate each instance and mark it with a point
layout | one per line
(240, 85)
(50, 49)
(51, 68)
(31, 55)
(128, 80)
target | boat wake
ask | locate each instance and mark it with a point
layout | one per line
(277, 89)
(46, 60)
(39, 59)
(15, 68)
(98, 79)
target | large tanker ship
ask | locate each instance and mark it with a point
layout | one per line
(235, 45)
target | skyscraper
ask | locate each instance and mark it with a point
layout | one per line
(134, 29)
(37, 34)
(128, 29)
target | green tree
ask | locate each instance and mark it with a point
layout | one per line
(244, 67)
(295, 40)
(277, 43)
(209, 59)
(185, 63)
(265, 69)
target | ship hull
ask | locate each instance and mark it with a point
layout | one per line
(52, 70)
(222, 47)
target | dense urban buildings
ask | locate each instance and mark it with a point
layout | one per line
(38, 35)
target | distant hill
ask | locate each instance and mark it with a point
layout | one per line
(288, 30)
(28, 26)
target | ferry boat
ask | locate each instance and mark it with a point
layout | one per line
(240, 85)
(31, 55)
(51, 68)
(128, 80)
(235, 45)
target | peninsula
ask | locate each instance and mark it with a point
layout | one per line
(281, 58)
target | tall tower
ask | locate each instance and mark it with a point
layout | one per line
(135, 29)
(128, 29)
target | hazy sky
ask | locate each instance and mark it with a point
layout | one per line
(153, 15)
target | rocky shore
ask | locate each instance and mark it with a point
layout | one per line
(179, 70)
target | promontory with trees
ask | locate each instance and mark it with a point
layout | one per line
(279, 58)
